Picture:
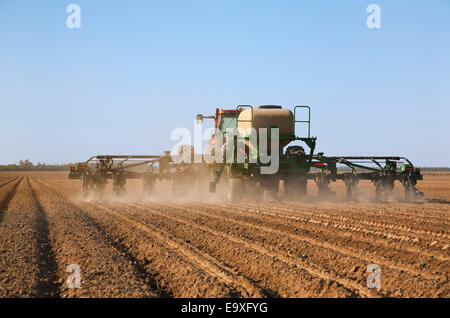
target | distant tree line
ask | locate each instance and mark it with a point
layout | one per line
(435, 168)
(26, 165)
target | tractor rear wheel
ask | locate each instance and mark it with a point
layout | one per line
(253, 190)
(236, 189)
(295, 187)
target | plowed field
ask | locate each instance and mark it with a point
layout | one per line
(199, 248)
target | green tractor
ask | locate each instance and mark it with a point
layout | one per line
(252, 177)
(247, 177)
(76, 171)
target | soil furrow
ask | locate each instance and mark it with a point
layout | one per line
(205, 246)
(371, 237)
(345, 220)
(208, 266)
(328, 238)
(384, 211)
(313, 244)
(230, 242)
(105, 272)
(18, 250)
(47, 276)
(138, 266)
(275, 241)
(8, 181)
(6, 198)
(370, 220)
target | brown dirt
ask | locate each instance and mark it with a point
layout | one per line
(152, 248)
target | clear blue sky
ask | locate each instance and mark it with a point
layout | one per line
(136, 70)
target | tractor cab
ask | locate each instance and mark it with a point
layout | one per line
(226, 118)
(223, 119)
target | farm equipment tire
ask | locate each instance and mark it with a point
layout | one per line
(384, 187)
(119, 181)
(411, 193)
(322, 181)
(295, 187)
(270, 188)
(253, 190)
(236, 189)
(149, 184)
(351, 181)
